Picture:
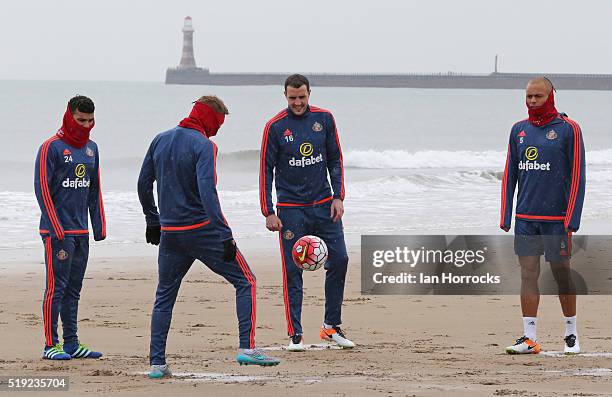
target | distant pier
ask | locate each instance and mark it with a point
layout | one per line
(188, 73)
(448, 80)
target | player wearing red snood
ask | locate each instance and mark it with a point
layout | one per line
(67, 186)
(190, 225)
(546, 160)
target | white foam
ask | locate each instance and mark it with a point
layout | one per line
(386, 186)
(486, 159)
(599, 157)
(423, 159)
(377, 159)
(387, 202)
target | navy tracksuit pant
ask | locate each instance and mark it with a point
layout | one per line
(300, 221)
(65, 263)
(177, 252)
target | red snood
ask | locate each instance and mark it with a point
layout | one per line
(542, 115)
(72, 132)
(204, 119)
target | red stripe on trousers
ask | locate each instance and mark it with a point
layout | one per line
(247, 273)
(48, 305)
(290, 329)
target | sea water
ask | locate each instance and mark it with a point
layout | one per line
(417, 160)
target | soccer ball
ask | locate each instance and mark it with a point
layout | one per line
(309, 253)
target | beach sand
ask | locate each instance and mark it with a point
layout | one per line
(407, 345)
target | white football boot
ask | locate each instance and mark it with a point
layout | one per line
(571, 345)
(335, 334)
(524, 345)
(296, 344)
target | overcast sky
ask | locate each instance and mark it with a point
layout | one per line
(137, 39)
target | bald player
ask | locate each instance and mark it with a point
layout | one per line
(546, 159)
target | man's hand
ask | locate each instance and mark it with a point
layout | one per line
(337, 210)
(505, 229)
(229, 250)
(273, 223)
(153, 234)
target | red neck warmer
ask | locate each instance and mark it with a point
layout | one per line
(72, 132)
(542, 115)
(204, 119)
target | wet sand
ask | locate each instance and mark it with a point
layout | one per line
(407, 345)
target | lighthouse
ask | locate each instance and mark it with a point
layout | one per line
(187, 58)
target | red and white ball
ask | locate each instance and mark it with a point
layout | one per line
(309, 253)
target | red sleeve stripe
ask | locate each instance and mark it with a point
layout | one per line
(215, 150)
(341, 162)
(251, 279)
(316, 109)
(262, 162)
(575, 171)
(504, 193)
(48, 202)
(45, 188)
(262, 171)
(101, 204)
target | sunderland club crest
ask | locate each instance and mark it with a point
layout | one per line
(62, 255)
(317, 127)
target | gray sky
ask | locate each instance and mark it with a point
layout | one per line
(136, 40)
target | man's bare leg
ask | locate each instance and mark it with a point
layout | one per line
(567, 291)
(530, 300)
(530, 292)
(567, 297)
